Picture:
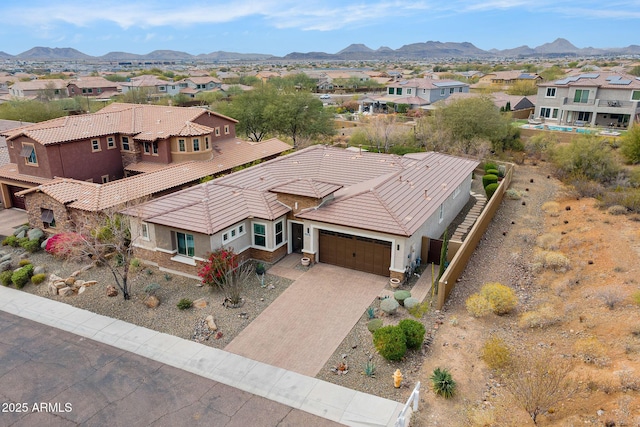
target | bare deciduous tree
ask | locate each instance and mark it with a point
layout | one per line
(538, 380)
(233, 282)
(104, 239)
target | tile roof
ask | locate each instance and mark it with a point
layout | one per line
(607, 80)
(96, 197)
(10, 171)
(373, 191)
(41, 84)
(91, 82)
(145, 122)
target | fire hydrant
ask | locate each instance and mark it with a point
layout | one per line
(397, 378)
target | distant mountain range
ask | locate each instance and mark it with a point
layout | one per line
(355, 52)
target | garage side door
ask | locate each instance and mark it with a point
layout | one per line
(357, 253)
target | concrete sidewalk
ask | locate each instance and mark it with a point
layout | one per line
(298, 391)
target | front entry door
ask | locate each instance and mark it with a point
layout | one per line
(297, 242)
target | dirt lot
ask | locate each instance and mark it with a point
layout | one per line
(589, 302)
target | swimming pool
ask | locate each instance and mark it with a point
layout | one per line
(561, 128)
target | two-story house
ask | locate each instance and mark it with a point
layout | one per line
(40, 89)
(93, 87)
(417, 93)
(596, 99)
(122, 140)
(191, 86)
(149, 84)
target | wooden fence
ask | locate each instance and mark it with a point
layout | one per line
(465, 251)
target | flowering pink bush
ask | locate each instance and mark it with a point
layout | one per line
(61, 245)
(213, 271)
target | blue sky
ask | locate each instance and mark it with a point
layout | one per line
(279, 27)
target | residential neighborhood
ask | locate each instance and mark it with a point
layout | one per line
(314, 240)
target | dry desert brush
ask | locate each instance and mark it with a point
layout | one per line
(538, 380)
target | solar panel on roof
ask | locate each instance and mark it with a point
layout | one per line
(589, 76)
(612, 78)
(620, 82)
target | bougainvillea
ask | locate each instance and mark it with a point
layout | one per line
(214, 270)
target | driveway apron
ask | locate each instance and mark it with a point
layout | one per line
(302, 328)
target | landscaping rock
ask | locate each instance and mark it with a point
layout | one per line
(200, 303)
(35, 234)
(6, 257)
(70, 281)
(152, 301)
(5, 265)
(66, 291)
(112, 291)
(59, 284)
(22, 234)
(81, 289)
(52, 289)
(40, 269)
(389, 305)
(90, 283)
(211, 323)
(411, 302)
(400, 296)
(21, 229)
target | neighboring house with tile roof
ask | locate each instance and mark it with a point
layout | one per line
(169, 146)
(505, 79)
(594, 98)
(92, 86)
(521, 107)
(365, 211)
(417, 93)
(40, 89)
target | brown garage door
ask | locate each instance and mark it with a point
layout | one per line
(16, 201)
(357, 253)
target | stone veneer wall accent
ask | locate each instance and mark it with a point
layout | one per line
(163, 259)
(396, 275)
(35, 201)
(269, 256)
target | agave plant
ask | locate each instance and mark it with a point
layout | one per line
(442, 383)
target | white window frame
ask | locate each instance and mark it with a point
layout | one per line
(111, 142)
(144, 231)
(254, 235)
(104, 179)
(550, 92)
(232, 234)
(195, 142)
(635, 92)
(275, 233)
(182, 146)
(442, 92)
(226, 129)
(193, 240)
(125, 140)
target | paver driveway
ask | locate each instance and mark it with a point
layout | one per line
(301, 329)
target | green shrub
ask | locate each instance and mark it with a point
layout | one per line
(502, 298)
(31, 246)
(10, 241)
(495, 172)
(490, 166)
(587, 156)
(24, 262)
(374, 324)
(630, 147)
(184, 304)
(414, 332)
(5, 277)
(442, 383)
(36, 279)
(419, 310)
(390, 342)
(21, 276)
(495, 353)
(400, 296)
(478, 306)
(489, 179)
(491, 189)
